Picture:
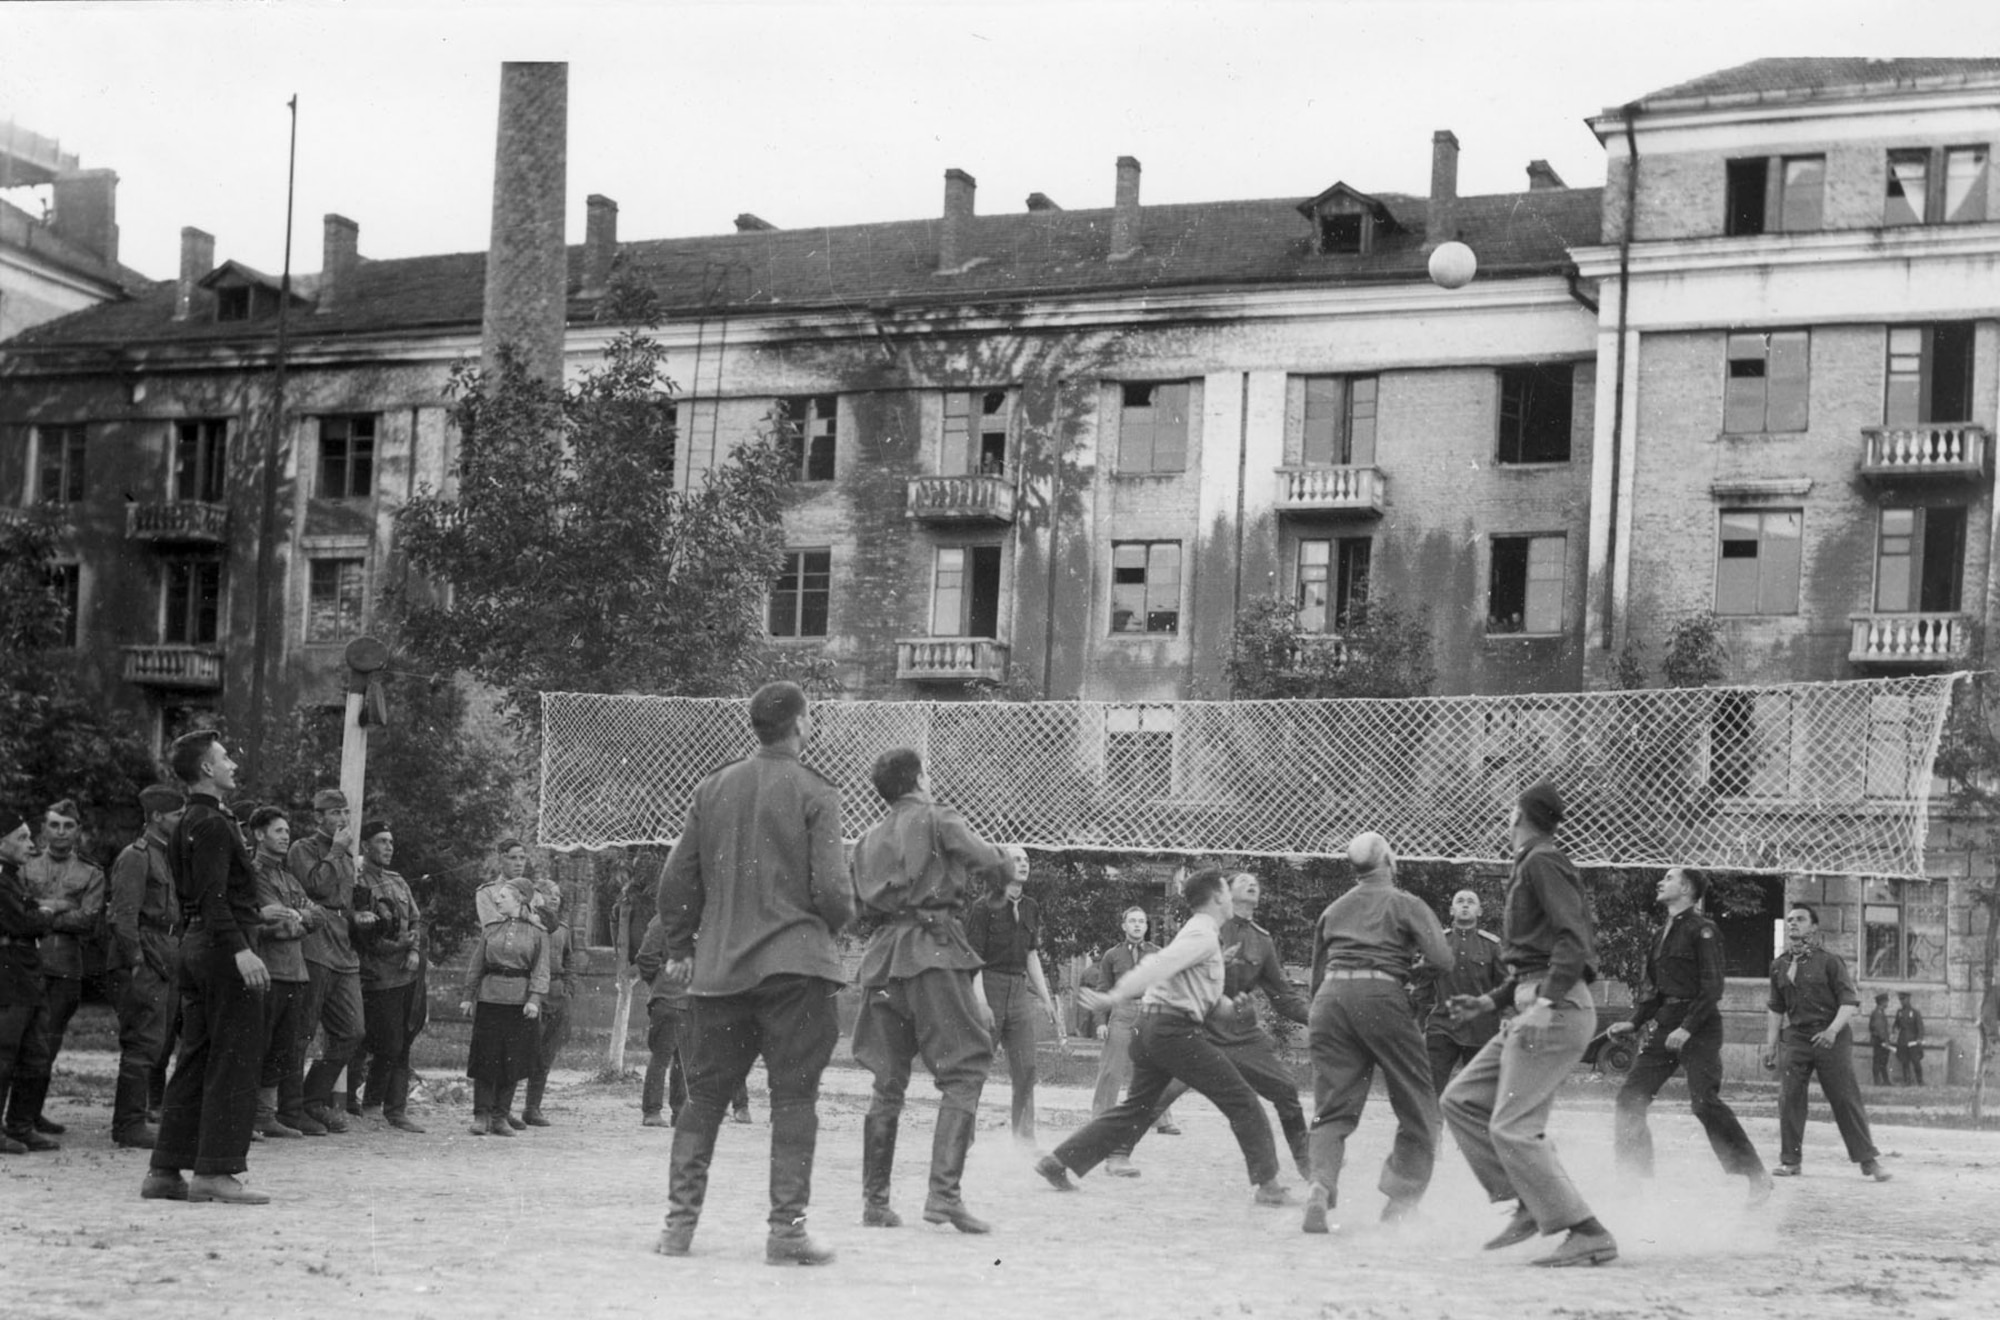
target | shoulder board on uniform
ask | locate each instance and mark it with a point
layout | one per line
(1489, 935)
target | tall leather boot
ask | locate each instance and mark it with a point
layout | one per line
(687, 1179)
(878, 1159)
(268, 1123)
(1326, 1149)
(23, 1108)
(128, 1110)
(945, 1204)
(531, 1109)
(794, 1138)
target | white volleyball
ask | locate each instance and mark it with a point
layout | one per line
(1453, 266)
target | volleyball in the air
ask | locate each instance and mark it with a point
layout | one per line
(1453, 266)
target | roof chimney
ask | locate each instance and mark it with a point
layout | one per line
(86, 210)
(527, 261)
(600, 242)
(340, 254)
(1542, 176)
(197, 259)
(753, 224)
(958, 189)
(1125, 210)
(1042, 202)
(1441, 221)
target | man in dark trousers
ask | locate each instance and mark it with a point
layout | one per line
(915, 873)
(1006, 932)
(1475, 969)
(1364, 947)
(324, 862)
(145, 919)
(212, 1095)
(759, 875)
(391, 952)
(1498, 1105)
(24, 1001)
(1178, 988)
(1881, 1040)
(1682, 997)
(1808, 1031)
(1909, 1039)
(73, 888)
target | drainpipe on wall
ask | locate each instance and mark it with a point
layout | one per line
(1242, 478)
(1055, 528)
(1630, 112)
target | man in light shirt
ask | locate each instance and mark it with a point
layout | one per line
(1177, 987)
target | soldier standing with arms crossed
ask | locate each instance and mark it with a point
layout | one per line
(758, 874)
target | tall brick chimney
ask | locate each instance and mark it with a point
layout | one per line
(1542, 176)
(1441, 219)
(340, 253)
(86, 210)
(527, 263)
(600, 242)
(1125, 210)
(197, 259)
(958, 190)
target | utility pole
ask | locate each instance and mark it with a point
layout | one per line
(267, 643)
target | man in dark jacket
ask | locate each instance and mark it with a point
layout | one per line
(1881, 1040)
(1909, 1039)
(24, 1005)
(145, 921)
(758, 873)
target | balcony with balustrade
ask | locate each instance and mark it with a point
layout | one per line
(1342, 490)
(174, 665)
(1936, 451)
(186, 522)
(950, 659)
(1910, 641)
(977, 498)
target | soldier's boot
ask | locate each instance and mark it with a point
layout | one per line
(878, 1159)
(687, 1179)
(531, 1108)
(1325, 1149)
(268, 1124)
(128, 1112)
(946, 1204)
(24, 1114)
(794, 1138)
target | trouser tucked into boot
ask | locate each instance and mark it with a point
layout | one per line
(878, 1161)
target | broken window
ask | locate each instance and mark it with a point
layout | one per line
(1757, 561)
(1535, 413)
(1525, 585)
(1912, 196)
(336, 595)
(1774, 194)
(1768, 385)
(1153, 427)
(976, 426)
(806, 427)
(1332, 582)
(1146, 587)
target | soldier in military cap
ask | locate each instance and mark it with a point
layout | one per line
(1475, 969)
(71, 886)
(145, 926)
(1682, 998)
(758, 873)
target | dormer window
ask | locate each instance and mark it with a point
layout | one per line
(1346, 222)
(233, 304)
(243, 294)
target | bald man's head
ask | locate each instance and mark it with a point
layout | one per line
(1370, 852)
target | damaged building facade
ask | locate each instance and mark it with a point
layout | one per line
(1061, 450)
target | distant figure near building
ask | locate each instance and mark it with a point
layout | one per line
(1811, 1006)
(758, 874)
(1909, 1039)
(1881, 1041)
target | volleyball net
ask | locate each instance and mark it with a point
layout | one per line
(1812, 777)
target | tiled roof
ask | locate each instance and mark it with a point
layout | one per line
(1005, 257)
(1819, 76)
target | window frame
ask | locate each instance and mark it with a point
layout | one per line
(1891, 898)
(1733, 396)
(966, 573)
(1344, 583)
(210, 460)
(1916, 559)
(1348, 417)
(1129, 430)
(351, 460)
(809, 427)
(1760, 593)
(187, 625)
(360, 622)
(796, 580)
(1780, 203)
(1529, 594)
(1936, 183)
(1152, 591)
(1524, 378)
(963, 441)
(70, 441)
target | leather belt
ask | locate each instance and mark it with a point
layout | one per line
(1168, 1011)
(1360, 974)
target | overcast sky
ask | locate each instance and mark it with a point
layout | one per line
(840, 112)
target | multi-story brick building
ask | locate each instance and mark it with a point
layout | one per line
(1755, 374)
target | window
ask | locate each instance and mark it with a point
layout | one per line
(1767, 385)
(1774, 194)
(1146, 587)
(200, 454)
(965, 598)
(806, 427)
(1153, 427)
(336, 594)
(976, 423)
(194, 602)
(1912, 199)
(1535, 413)
(800, 594)
(1139, 752)
(1525, 589)
(1930, 374)
(59, 454)
(1342, 233)
(1903, 930)
(1333, 580)
(66, 582)
(1757, 561)
(346, 458)
(1338, 421)
(1919, 555)
(233, 304)
(1751, 745)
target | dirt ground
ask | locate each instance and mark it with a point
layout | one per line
(561, 1222)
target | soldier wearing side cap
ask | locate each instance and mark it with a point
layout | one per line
(145, 926)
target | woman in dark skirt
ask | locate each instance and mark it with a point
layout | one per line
(504, 988)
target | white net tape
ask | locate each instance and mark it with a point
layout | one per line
(1822, 777)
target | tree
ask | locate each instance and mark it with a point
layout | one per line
(1383, 650)
(1968, 761)
(53, 743)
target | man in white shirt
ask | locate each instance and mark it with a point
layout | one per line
(1177, 988)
